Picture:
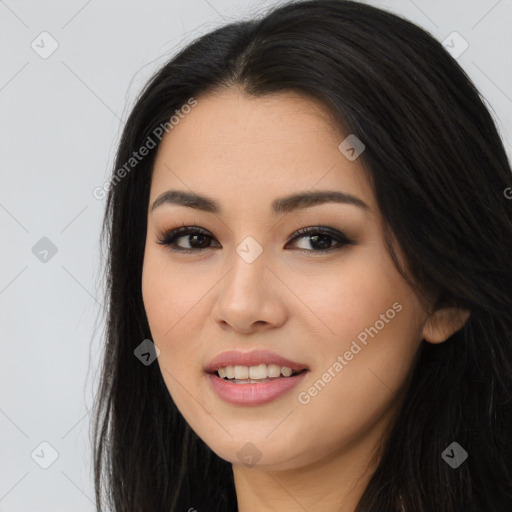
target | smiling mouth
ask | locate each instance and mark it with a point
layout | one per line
(254, 385)
(269, 373)
(255, 375)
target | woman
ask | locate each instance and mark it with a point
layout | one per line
(309, 277)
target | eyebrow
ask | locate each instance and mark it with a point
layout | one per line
(285, 204)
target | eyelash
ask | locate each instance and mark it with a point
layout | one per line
(168, 238)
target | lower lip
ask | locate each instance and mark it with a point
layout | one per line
(253, 394)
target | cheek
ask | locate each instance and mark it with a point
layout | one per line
(170, 293)
(357, 385)
(176, 312)
(371, 333)
(341, 301)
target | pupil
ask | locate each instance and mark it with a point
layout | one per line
(195, 236)
(324, 245)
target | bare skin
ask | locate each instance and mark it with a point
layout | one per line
(315, 454)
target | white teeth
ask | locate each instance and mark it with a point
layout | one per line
(273, 370)
(241, 372)
(259, 372)
(286, 371)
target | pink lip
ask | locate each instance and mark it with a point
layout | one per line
(253, 394)
(254, 358)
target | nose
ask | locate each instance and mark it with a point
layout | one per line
(249, 298)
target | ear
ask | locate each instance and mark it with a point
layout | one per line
(444, 322)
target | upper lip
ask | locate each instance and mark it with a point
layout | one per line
(253, 358)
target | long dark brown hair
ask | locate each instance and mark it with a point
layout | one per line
(439, 173)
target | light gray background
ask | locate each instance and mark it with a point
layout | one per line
(60, 121)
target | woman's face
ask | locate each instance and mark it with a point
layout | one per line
(338, 309)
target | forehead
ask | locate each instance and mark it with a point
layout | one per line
(235, 146)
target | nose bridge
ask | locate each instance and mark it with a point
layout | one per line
(249, 260)
(244, 295)
(246, 300)
(250, 250)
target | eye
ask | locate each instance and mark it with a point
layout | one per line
(196, 239)
(319, 237)
(322, 237)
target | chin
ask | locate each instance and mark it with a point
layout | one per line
(260, 453)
